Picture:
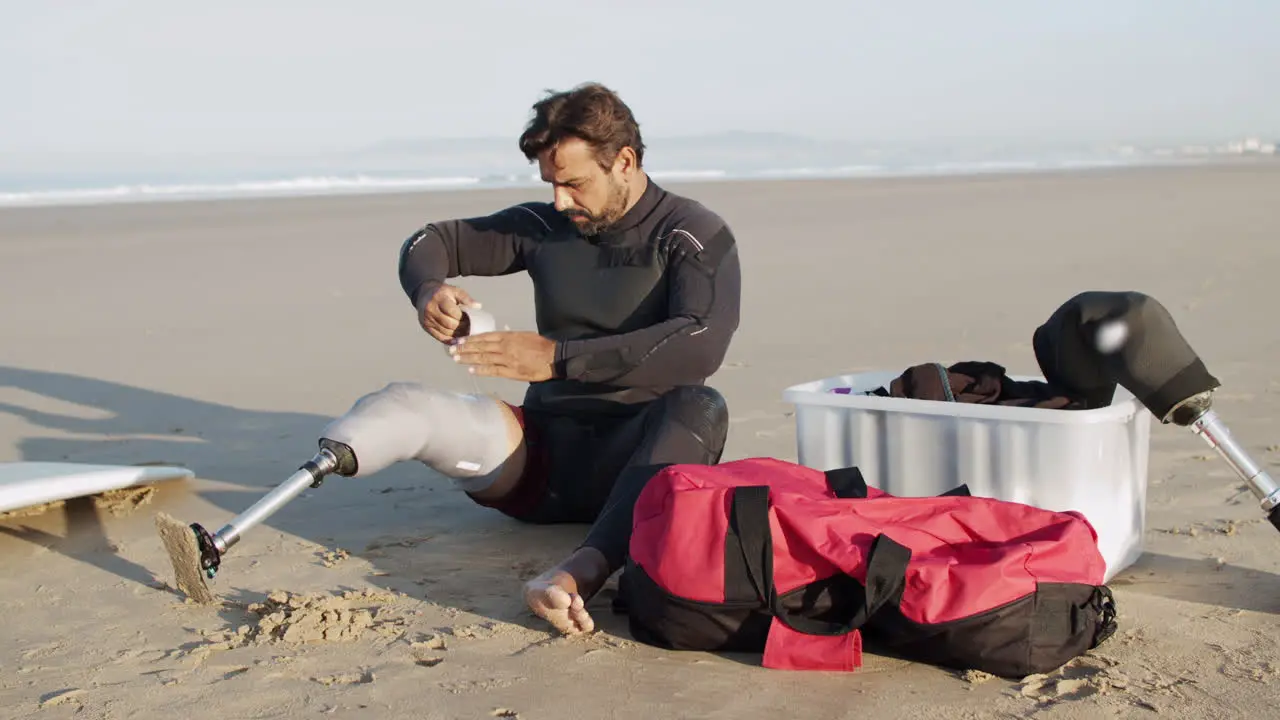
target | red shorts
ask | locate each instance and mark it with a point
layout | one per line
(530, 488)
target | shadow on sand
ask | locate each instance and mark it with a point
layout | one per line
(419, 534)
(1203, 581)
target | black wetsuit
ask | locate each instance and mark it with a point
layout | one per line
(641, 315)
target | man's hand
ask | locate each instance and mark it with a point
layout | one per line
(442, 317)
(523, 356)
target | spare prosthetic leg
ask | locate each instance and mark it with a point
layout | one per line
(1097, 340)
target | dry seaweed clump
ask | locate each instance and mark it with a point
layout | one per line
(312, 618)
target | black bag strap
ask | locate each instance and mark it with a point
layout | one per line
(886, 567)
(848, 482)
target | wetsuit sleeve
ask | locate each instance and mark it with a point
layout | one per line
(486, 246)
(704, 291)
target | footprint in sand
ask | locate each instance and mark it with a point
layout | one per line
(350, 678)
(474, 686)
(430, 641)
(1247, 662)
(476, 631)
(1078, 679)
(425, 652)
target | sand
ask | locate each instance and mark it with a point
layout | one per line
(223, 335)
(183, 548)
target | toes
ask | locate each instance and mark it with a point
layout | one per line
(579, 616)
(546, 596)
(565, 611)
(563, 623)
(582, 620)
(555, 598)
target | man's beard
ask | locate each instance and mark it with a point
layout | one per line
(602, 221)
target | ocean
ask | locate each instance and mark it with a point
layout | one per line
(493, 163)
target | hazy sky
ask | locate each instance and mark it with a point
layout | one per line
(165, 75)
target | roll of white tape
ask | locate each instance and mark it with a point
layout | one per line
(481, 321)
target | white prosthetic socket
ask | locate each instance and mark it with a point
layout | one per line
(463, 437)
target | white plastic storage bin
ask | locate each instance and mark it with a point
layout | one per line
(1093, 461)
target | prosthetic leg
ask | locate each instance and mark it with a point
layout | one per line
(196, 554)
(461, 436)
(1097, 340)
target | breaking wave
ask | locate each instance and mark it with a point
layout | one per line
(15, 192)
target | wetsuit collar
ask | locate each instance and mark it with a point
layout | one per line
(647, 203)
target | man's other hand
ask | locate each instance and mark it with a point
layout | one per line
(442, 317)
(525, 356)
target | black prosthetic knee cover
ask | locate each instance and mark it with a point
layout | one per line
(1154, 361)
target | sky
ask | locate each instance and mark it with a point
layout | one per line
(158, 76)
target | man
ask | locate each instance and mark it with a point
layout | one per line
(637, 298)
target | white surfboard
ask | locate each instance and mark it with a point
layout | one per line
(26, 484)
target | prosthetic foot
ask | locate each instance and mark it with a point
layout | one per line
(1098, 340)
(196, 554)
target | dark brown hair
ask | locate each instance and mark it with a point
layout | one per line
(590, 112)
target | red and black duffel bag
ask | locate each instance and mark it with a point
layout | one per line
(763, 555)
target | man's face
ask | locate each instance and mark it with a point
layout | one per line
(587, 194)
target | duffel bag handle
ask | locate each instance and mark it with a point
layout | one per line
(847, 482)
(885, 577)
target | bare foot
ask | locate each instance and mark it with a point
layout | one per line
(560, 594)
